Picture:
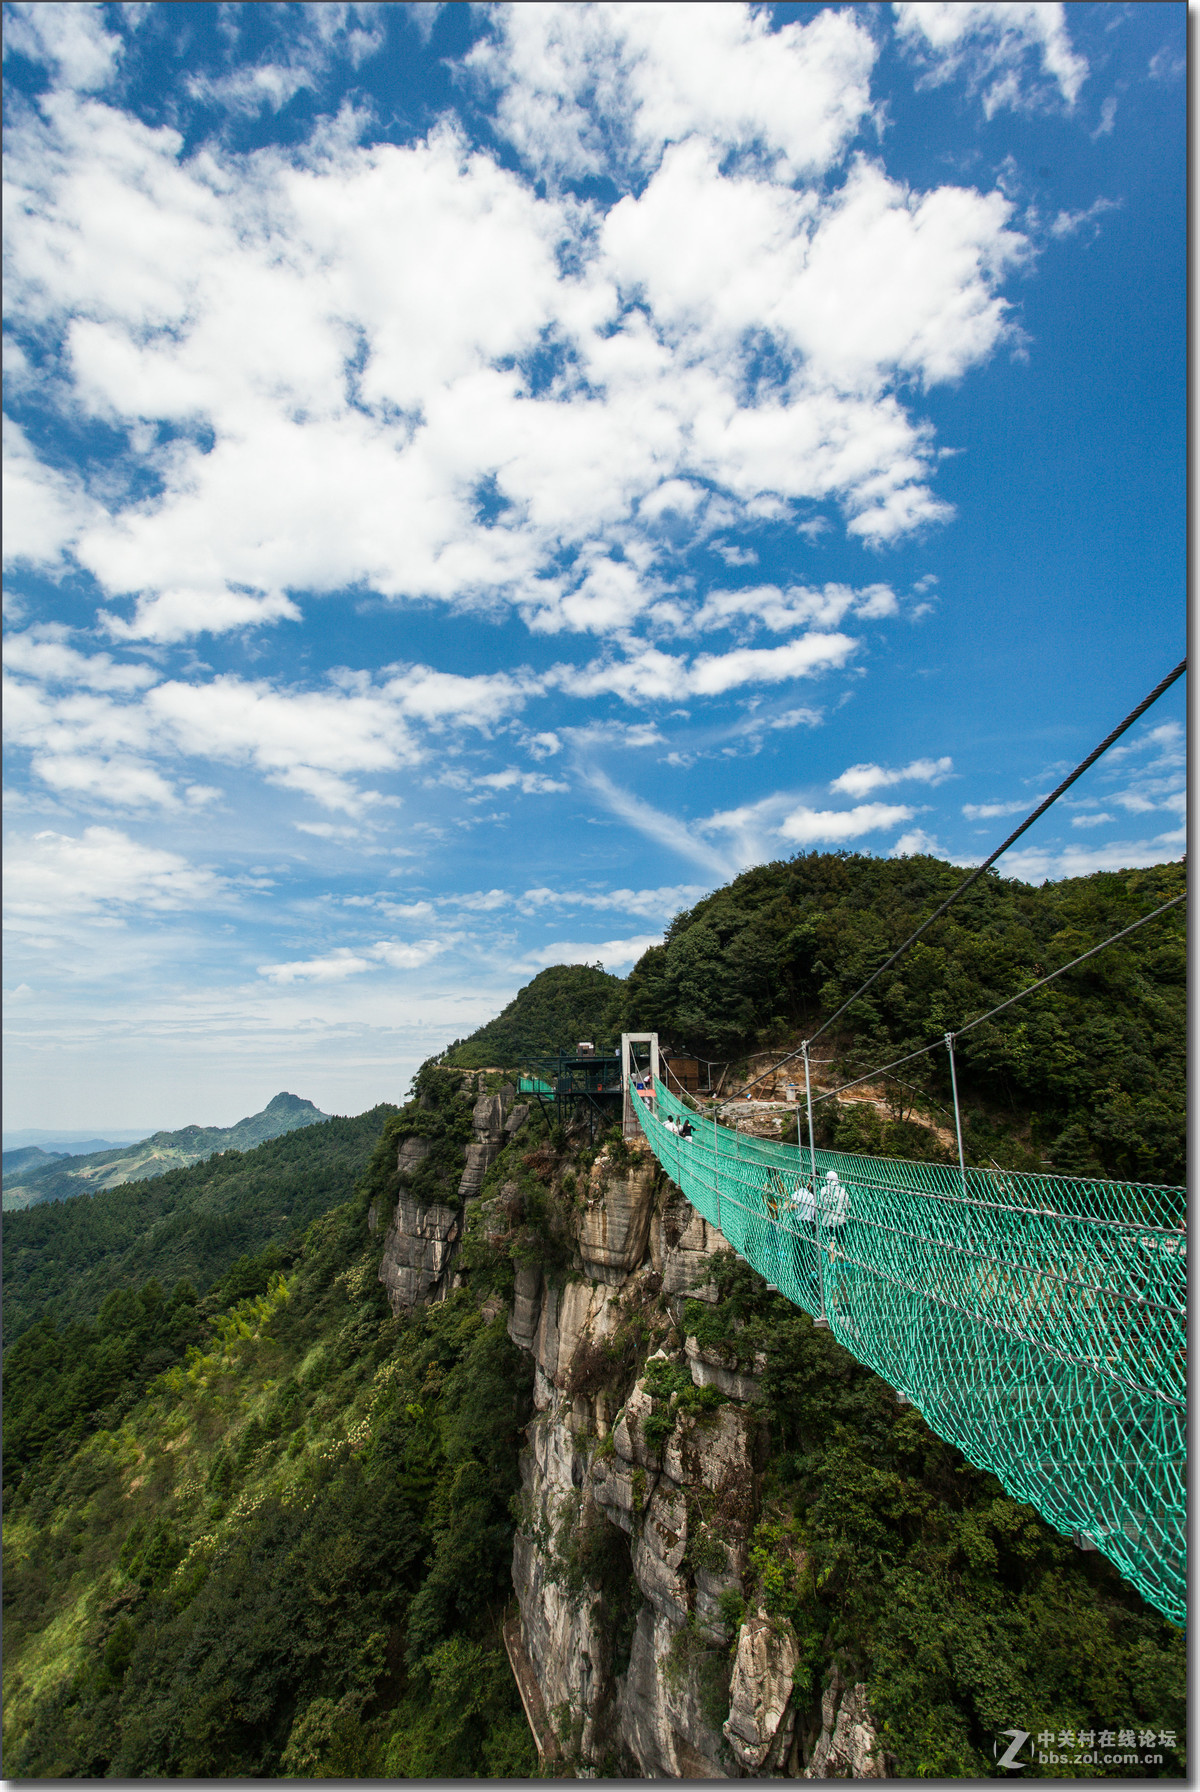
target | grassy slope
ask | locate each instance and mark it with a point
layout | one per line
(63, 1258)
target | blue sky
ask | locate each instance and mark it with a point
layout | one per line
(478, 478)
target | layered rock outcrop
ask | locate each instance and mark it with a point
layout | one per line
(638, 1506)
(423, 1234)
(629, 1565)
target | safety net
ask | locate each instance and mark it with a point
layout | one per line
(1037, 1322)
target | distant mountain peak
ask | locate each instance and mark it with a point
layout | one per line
(287, 1103)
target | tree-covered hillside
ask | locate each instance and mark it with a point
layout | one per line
(61, 1259)
(1088, 1076)
(285, 1557)
(562, 1005)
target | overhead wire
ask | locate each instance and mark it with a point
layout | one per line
(1109, 739)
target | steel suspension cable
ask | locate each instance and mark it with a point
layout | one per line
(979, 870)
(1008, 1002)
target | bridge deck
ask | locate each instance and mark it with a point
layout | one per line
(1037, 1322)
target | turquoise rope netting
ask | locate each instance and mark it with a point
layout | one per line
(1037, 1322)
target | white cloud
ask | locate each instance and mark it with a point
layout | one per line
(1067, 223)
(54, 874)
(1035, 863)
(1090, 821)
(44, 655)
(667, 900)
(432, 697)
(69, 40)
(796, 607)
(859, 780)
(181, 612)
(342, 344)
(344, 961)
(992, 811)
(122, 783)
(407, 957)
(530, 783)
(651, 675)
(586, 89)
(44, 510)
(992, 42)
(614, 955)
(100, 737)
(807, 826)
(1167, 738)
(916, 840)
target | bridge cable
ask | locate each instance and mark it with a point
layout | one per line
(1000, 1006)
(979, 870)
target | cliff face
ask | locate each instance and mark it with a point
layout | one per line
(649, 1662)
(641, 1486)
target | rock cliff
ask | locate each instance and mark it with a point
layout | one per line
(641, 1481)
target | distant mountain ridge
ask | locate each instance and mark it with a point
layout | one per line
(32, 1157)
(73, 1144)
(64, 1177)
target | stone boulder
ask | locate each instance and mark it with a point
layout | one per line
(616, 1218)
(848, 1746)
(682, 1246)
(760, 1690)
(710, 1371)
(527, 1305)
(417, 1248)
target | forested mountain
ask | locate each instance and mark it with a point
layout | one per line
(62, 1259)
(284, 1557)
(1087, 1077)
(27, 1158)
(562, 1005)
(258, 1524)
(162, 1151)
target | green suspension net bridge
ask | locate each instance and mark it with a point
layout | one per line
(1037, 1322)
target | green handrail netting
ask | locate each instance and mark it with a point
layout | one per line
(533, 1085)
(1037, 1322)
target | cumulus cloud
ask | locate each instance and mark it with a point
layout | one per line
(992, 811)
(103, 869)
(649, 674)
(796, 607)
(1035, 863)
(1013, 53)
(400, 368)
(584, 90)
(809, 827)
(860, 780)
(102, 736)
(916, 840)
(70, 41)
(44, 510)
(346, 961)
(614, 955)
(529, 783)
